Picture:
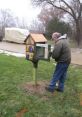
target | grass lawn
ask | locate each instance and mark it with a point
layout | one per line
(14, 72)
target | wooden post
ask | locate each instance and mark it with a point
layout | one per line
(35, 66)
(35, 76)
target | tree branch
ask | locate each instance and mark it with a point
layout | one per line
(61, 9)
(74, 15)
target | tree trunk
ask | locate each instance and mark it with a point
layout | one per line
(78, 33)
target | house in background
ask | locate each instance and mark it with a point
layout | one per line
(16, 35)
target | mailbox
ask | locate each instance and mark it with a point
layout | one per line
(37, 47)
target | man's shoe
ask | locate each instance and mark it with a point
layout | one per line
(50, 90)
(59, 90)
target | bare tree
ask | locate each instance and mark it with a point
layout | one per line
(6, 18)
(48, 13)
(72, 7)
(36, 27)
(21, 23)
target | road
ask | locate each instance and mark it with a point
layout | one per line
(13, 47)
(20, 48)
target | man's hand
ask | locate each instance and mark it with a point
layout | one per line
(50, 54)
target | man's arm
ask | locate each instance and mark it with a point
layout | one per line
(57, 51)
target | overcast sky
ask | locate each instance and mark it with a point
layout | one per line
(20, 8)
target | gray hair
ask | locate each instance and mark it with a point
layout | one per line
(56, 35)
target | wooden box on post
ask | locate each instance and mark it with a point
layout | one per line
(37, 47)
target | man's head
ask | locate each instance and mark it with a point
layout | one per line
(55, 36)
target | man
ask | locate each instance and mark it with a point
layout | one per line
(62, 55)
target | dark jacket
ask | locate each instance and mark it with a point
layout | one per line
(62, 52)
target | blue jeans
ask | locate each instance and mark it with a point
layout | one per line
(59, 75)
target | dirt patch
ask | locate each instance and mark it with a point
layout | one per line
(21, 112)
(36, 89)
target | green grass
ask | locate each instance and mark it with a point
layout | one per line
(14, 72)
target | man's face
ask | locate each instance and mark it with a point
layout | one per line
(55, 39)
(55, 36)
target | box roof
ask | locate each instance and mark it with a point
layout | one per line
(37, 37)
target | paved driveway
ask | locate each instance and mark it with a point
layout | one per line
(76, 56)
(20, 48)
